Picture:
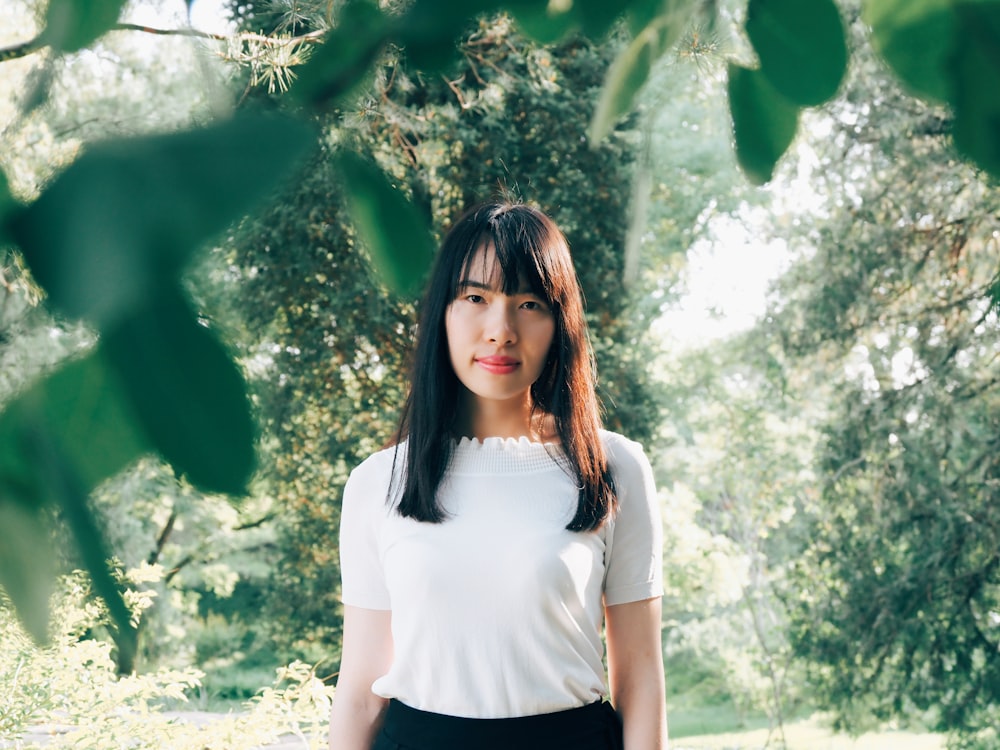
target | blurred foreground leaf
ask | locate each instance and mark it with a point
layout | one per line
(188, 393)
(801, 46)
(631, 68)
(390, 226)
(915, 37)
(764, 122)
(346, 56)
(544, 22)
(71, 25)
(82, 408)
(128, 214)
(596, 16)
(976, 72)
(430, 29)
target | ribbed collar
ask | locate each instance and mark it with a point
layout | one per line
(496, 455)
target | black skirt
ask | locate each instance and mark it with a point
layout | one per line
(592, 727)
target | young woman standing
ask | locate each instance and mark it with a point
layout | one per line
(482, 554)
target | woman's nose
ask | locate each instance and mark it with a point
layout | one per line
(500, 328)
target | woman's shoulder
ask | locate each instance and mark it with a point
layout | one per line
(380, 464)
(622, 449)
(627, 460)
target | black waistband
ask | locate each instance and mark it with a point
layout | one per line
(412, 727)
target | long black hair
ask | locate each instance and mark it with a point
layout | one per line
(529, 248)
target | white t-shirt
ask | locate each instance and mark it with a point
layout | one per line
(498, 611)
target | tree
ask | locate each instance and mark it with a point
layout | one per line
(330, 342)
(201, 173)
(737, 469)
(893, 302)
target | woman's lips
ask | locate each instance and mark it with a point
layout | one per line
(498, 365)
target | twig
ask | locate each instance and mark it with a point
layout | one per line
(39, 42)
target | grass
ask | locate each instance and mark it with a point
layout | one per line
(695, 720)
(807, 734)
(697, 724)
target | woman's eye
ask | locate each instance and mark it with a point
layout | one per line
(532, 305)
(474, 298)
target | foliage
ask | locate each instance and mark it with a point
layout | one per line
(738, 462)
(72, 685)
(963, 70)
(211, 552)
(892, 303)
(34, 339)
(327, 343)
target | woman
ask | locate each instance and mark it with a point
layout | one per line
(483, 552)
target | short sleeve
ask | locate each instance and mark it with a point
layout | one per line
(634, 542)
(361, 517)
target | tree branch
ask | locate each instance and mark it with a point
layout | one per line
(39, 42)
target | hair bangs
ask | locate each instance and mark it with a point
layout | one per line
(511, 251)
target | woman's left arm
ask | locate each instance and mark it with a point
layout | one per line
(635, 672)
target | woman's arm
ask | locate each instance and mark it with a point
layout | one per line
(635, 672)
(366, 655)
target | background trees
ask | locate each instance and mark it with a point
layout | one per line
(893, 299)
(887, 322)
(326, 340)
(801, 63)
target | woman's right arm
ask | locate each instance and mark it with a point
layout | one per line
(356, 715)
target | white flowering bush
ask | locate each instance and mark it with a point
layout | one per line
(67, 694)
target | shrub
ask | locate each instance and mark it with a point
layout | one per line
(71, 684)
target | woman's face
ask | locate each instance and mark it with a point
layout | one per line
(498, 343)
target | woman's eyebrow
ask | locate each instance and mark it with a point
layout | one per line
(470, 284)
(473, 284)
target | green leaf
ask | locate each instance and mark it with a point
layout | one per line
(801, 47)
(596, 16)
(764, 122)
(128, 214)
(916, 38)
(976, 70)
(70, 495)
(82, 408)
(71, 25)
(541, 21)
(430, 29)
(627, 75)
(430, 47)
(26, 572)
(345, 59)
(7, 208)
(73, 423)
(186, 391)
(393, 231)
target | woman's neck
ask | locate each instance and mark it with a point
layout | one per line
(481, 419)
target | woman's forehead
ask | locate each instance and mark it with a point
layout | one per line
(483, 266)
(510, 273)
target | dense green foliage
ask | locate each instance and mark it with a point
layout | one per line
(39, 430)
(329, 343)
(884, 584)
(897, 610)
